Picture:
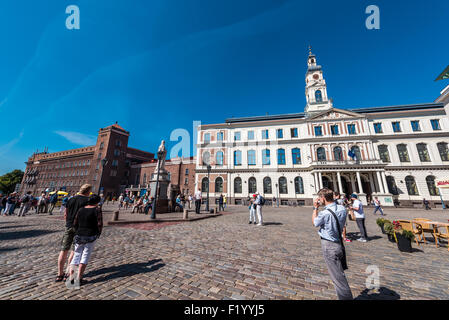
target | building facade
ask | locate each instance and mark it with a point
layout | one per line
(394, 153)
(106, 165)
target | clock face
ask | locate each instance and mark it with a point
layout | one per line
(316, 77)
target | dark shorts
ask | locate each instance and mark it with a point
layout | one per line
(67, 239)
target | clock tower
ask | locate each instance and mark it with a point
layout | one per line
(316, 89)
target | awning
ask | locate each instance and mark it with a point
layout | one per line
(442, 183)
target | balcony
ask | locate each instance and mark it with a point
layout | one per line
(348, 162)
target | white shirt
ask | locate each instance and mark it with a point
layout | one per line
(358, 213)
(198, 195)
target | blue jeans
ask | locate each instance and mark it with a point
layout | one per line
(378, 209)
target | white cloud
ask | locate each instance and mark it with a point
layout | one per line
(6, 147)
(78, 138)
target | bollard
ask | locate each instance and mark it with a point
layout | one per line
(186, 214)
(115, 217)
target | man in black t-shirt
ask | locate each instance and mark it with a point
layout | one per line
(73, 205)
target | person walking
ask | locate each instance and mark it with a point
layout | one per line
(225, 200)
(426, 204)
(198, 197)
(10, 203)
(331, 221)
(53, 201)
(340, 201)
(88, 225)
(190, 198)
(259, 202)
(25, 205)
(120, 201)
(221, 203)
(73, 205)
(252, 210)
(377, 206)
(357, 207)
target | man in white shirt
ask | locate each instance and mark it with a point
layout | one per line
(357, 207)
(198, 197)
(258, 203)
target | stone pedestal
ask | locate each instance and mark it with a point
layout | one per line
(162, 200)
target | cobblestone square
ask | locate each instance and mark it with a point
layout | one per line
(219, 258)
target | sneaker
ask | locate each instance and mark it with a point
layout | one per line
(361, 240)
(259, 224)
(250, 222)
(348, 240)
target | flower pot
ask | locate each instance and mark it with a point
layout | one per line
(382, 229)
(404, 243)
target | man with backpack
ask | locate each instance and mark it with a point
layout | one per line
(259, 202)
(25, 205)
(53, 201)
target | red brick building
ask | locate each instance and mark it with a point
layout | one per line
(68, 170)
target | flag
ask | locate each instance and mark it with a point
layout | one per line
(351, 154)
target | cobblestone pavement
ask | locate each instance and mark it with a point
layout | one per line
(219, 258)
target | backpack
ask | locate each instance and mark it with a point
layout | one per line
(25, 199)
(262, 200)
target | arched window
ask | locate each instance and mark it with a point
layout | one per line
(423, 152)
(338, 154)
(299, 185)
(356, 151)
(267, 185)
(238, 158)
(383, 153)
(205, 184)
(433, 190)
(206, 158)
(251, 157)
(252, 185)
(412, 189)
(444, 151)
(281, 156)
(266, 156)
(219, 184)
(321, 154)
(238, 185)
(392, 188)
(283, 185)
(403, 153)
(296, 156)
(219, 158)
(318, 96)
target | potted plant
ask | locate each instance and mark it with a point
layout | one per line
(389, 230)
(381, 222)
(403, 237)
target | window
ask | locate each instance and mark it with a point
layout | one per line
(265, 134)
(444, 151)
(266, 156)
(321, 154)
(144, 181)
(252, 186)
(250, 135)
(118, 143)
(205, 185)
(281, 156)
(251, 157)
(116, 152)
(433, 190)
(403, 153)
(99, 157)
(383, 153)
(267, 185)
(318, 96)
(338, 154)
(435, 124)
(294, 132)
(351, 128)
(186, 180)
(219, 158)
(283, 185)
(356, 151)
(206, 158)
(280, 133)
(113, 173)
(423, 152)
(296, 156)
(299, 185)
(187, 172)
(238, 185)
(237, 136)
(220, 136)
(412, 189)
(238, 158)
(415, 126)
(396, 126)
(101, 145)
(219, 184)
(334, 130)
(206, 137)
(318, 131)
(378, 127)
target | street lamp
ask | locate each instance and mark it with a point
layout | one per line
(208, 185)
(277, 192)
(160, 154)
(103, 162)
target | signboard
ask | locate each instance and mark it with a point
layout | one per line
(442, 183)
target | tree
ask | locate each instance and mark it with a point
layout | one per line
(8, 181)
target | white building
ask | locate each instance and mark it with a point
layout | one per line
(399, 151)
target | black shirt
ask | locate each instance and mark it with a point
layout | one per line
(73, 205)
(88, 222)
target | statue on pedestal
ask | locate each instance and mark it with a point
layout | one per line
(162, 153)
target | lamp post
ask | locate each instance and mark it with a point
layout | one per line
(277, 193)
(208, 185)
(103, 162)
(159, 158)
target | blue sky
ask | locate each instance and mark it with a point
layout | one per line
(158, 65)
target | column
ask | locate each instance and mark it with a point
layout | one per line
(359, 182)
(371, 182)
(334, 181)
(354, 190)
(340, 188)
(320, 180)
(379, 181)
(384, 179)
(315, 184)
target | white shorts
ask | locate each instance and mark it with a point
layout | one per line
(82, 253)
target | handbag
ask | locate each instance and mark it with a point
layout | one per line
(344, 263)
(351, 215)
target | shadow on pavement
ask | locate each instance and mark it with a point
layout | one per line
(2, 250)
(382, 294)
(10, 227)
(14, 235)
(272, 224)
(125, 270)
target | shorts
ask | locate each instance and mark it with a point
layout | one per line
(67, 239)
(82, 253)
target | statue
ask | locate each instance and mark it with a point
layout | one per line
(162, 153)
